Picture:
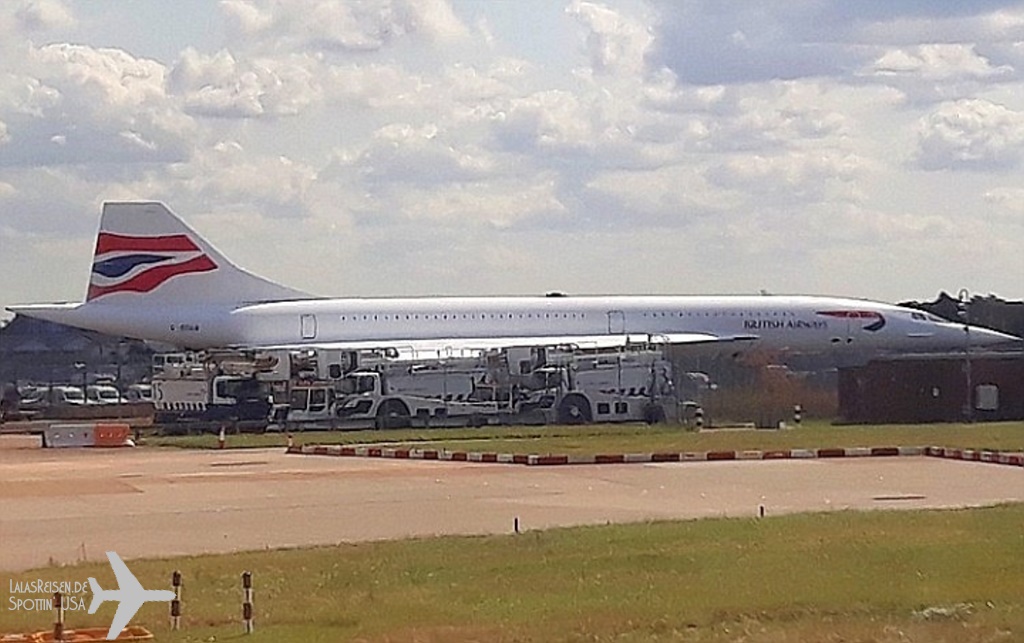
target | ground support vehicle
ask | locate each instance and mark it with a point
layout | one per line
(576, 387)
(210, 391)
(525, 385)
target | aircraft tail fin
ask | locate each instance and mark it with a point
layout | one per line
(97, 595)
(145, 253)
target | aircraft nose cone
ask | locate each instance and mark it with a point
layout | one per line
(987, 337)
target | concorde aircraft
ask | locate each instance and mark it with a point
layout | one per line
(154, 278)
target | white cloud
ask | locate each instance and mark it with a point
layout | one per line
(341, 25)
(221, 86)
(664, 92)
(55, 201)
(1008, 204)
(649, 132)
(435, 19)
(970, 134)
(1004, 24)
(938, 72)
(371, 85)
(615, 43)
(26, 95)
(870, 226)
(804, 114)
(404, 153)
(472, 85)
(670, 196)
(135, 138)
(111, 76)
(103, 104)
(937, 62)
(790, 112)
(500, 203)
(550, 120)
(250, 17)
(794, 177)
(44, 15)
(232, 176)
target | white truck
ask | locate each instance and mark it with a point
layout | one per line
(383, 392)
(512, 385)
(205, 390)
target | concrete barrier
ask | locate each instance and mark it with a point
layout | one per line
(65, 436)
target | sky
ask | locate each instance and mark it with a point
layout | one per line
(458, 147)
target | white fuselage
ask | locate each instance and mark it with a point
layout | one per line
(799, 323)
(155, 278)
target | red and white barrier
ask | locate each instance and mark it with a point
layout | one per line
(401, 453)
(974, 455)
(91, 434)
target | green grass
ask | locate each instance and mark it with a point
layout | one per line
(815, 577)
(632, 438)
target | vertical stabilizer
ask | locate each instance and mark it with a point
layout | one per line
(97, 595)
(146, 254)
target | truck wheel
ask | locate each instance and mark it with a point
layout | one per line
(654, 414)
(393, 414)
(476, 421)
(574, 409)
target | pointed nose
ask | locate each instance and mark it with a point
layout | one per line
(987, 338)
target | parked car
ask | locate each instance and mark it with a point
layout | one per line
(66, 396)
(102, 394)
(139, 393)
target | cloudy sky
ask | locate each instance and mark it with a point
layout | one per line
(419, 147)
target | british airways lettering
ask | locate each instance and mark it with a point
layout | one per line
(788, 324)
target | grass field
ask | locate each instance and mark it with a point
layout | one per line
(955, 575)
(633, 438)
(844, 576)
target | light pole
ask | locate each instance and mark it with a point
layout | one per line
(81, 368)
(121, 344)
(963, 311)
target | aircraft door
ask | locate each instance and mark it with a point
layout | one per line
(616, 322)
(308, 324)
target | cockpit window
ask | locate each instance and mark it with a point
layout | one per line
(927, 317)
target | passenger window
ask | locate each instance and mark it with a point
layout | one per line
(298, 398)
(317, 399)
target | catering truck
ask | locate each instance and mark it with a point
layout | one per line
(206, 391)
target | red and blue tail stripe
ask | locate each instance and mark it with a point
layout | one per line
(140, 264)
(877, 323)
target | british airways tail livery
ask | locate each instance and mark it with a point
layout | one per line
(153, 277)
(143, 252)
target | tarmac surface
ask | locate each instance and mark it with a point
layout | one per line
(67, 505)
